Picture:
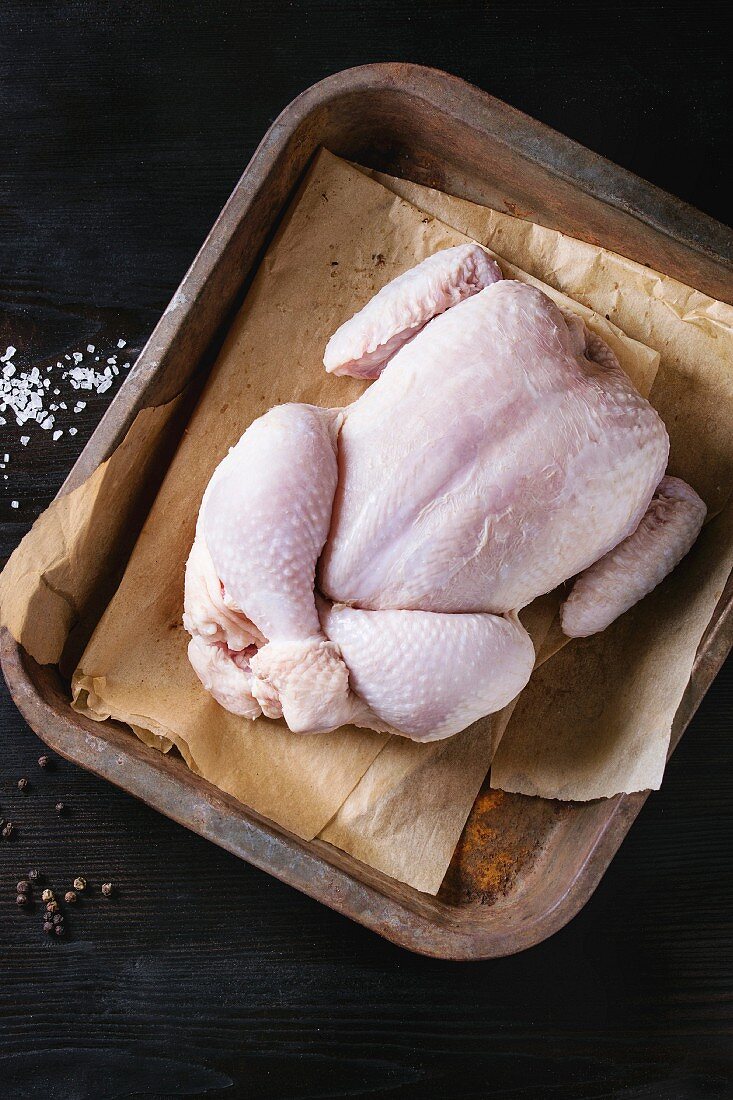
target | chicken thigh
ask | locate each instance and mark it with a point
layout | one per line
(365, 565)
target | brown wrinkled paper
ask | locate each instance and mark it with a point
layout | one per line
(596, 719)
(408, 811)
(52, 579)
(325, 262)
(394, 804)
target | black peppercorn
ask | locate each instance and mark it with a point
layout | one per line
(70, 897)
(108, 889)
(23, 887)
(34, 875)
(8, 830)
(58, 929)
(57, 918)
(48, 895)
(52, 907)
(48, 927)
(22, 899)
(23, 784)
(43, 761)
(60, 808)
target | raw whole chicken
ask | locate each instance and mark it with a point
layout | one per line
(365, 565)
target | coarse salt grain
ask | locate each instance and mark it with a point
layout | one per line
(72, 431)
(24, 392)
(14, 504)
(121, 343)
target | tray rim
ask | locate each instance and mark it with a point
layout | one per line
(314, 867)
(616, 186)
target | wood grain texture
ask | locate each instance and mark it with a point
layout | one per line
(127, 128)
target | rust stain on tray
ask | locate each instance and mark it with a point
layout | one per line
(500, 842)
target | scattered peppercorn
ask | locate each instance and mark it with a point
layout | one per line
(57, 918)
(52, 907)
(58, 929)
(108, 889)
(43, 761)
(48, 895)
(60, 808)
(23, 887)
(22, 899)
(8, 830)
(48, 927)
(34, 875)
(23, 784)
(80, 884)
(70, 897)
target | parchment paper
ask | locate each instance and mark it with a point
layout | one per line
(344, 237)
(55, 574)
(407, 813)
(596, 719)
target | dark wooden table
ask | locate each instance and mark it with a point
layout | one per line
(124, 128)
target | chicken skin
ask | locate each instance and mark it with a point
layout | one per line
(365, 565)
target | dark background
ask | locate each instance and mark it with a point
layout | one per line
(124, 127)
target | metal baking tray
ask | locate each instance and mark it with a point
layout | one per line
(432, 128)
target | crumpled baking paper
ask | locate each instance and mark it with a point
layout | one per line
(394, 804)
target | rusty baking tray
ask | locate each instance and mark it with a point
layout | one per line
(524, 866)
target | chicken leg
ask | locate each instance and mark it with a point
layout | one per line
(427, 675)
(257, 643)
